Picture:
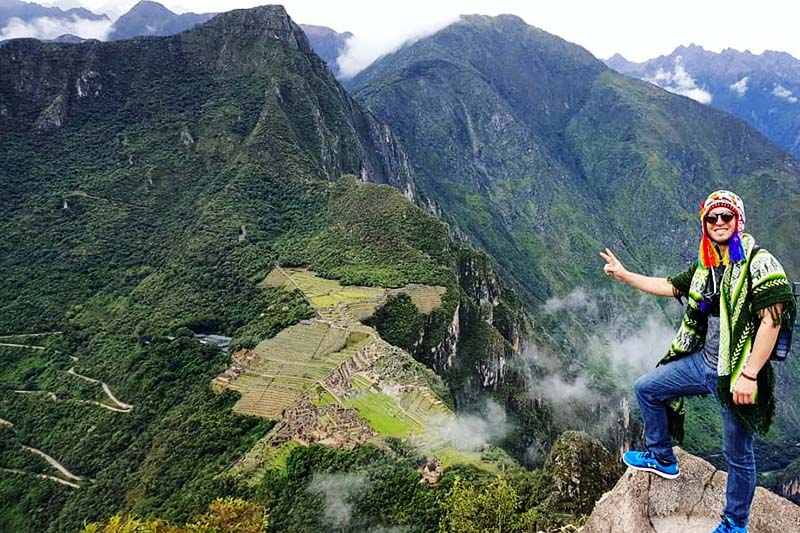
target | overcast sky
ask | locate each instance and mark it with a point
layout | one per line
(639, 29)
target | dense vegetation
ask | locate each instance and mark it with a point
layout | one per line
(149, 186)
(369, 489)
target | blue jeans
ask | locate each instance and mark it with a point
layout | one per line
(691, 376)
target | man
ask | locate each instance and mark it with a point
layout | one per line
(737, 296)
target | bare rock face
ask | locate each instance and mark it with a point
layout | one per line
(645, 503)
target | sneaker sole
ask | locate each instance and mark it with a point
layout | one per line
(653, 471)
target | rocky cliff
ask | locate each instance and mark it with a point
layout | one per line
(645, 503)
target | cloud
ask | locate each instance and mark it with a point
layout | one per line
(49, 28)
(623, 345)
(339, 492)
(782, 92)
(638, 352)
(577, 300)
(545, 377)
(364, 48)
(470, 431)
(679, 82)
(740, 86)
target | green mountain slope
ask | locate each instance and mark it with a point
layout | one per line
(542, 156)
(149, 187)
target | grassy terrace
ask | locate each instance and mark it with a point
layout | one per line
(382, 412)
(289, 363)
(348, 303)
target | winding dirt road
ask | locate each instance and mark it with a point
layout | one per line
(22, 346)
(42, 476)
(121, 406)
(51, 395)
(55, 464)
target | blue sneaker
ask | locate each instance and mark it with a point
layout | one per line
(729, 526)
(647, 461)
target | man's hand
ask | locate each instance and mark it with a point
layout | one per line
(744, 391)
(613, 266)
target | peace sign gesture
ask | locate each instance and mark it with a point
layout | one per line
(613, 266)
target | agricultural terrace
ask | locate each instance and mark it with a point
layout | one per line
(281, 368)
(348, 303)
(278, 370)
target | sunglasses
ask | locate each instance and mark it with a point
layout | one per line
(712, 218)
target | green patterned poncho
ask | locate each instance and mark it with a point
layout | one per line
(740, 306)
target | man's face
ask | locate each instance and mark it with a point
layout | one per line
(717, 229)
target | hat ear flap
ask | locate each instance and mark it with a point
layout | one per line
(736, 249)
(708, 254)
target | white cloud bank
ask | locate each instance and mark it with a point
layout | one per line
(340, 492)
(577, 300)
(740, 86)
(364, 48)
(470, 431)
(782, 92)
(46, 28)
(680, 82)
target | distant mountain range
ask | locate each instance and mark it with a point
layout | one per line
(23, 19)
(327, 43)
(763, 89)
(26, 11)
(151, 18)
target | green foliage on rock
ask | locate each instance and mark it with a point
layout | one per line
(399, 322)
(493, 508)
(582, 470)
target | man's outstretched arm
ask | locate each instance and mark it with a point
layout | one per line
(648, 284)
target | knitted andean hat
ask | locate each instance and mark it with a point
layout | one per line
(708, 255)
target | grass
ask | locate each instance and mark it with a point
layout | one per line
(450, 456)
(384, 414)
(427, 298)
(328, 292)
(261, 458)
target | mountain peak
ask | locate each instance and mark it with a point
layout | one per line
(263, 22)
(149, 7)
(505, 20)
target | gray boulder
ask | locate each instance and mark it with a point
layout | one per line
(645, 503)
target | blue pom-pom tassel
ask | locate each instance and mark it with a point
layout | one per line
(736, 249)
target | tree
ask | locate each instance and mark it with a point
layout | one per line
(489, 509)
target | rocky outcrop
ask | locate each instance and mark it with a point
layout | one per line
(582, 470)
(443, 356)
(645, 503)
(53, 116)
